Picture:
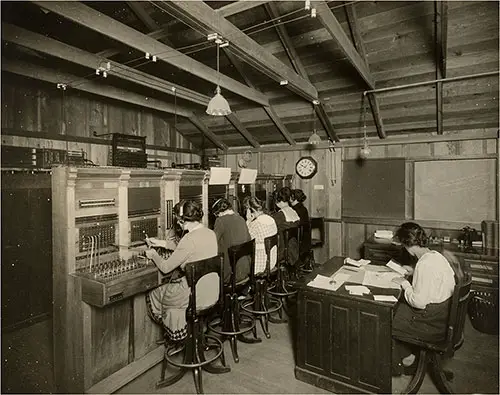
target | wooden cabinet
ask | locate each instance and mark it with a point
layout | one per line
(343, 341)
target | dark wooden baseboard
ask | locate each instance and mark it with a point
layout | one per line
(326, 383)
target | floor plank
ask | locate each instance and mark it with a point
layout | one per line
(267, 367)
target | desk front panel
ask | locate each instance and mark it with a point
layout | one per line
(346, 342)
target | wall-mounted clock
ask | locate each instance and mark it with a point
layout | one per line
(306, 167)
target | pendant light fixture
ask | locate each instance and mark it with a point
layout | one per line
(364, 151)
(218, 105)
(315, 138)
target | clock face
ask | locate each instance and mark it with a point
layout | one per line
(306, 167)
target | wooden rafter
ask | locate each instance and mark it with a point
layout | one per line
(352, 20)
(243, 131)
(332, 25)
(206, 132)
(88, 17)
(158, 34)
(203, 18)
(441, 36)
(49, 46)
(299, 68)
(239, 6)
(139, 11)
(269, 110)
(94, 87)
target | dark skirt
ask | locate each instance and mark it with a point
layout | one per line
(427, 324)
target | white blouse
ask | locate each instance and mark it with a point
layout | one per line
(433, 281)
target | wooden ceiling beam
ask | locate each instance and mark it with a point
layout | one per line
(352, 20)
(207, 132)
(94, 87)
(238, 6)
(270, 112)
(332, 25)
(441, 37)
(90, 18)
(161, 33)
(202, 18)
(139, 11)
(242, 130)
(292, 54)
(49, 46)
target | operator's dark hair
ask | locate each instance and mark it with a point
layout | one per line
(411, 234)
(253, 203)
(298, 195)
(189, 210)
(221, 205)
(283, 195)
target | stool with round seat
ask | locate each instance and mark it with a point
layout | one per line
(231, 323)
(261, 304)
(282, 288)
(200, 350)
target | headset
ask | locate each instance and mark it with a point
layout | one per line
(195, 214)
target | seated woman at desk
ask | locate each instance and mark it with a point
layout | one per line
(286, 218)
(231, 230)
(167, 304)
(260, 226)
(424, 316)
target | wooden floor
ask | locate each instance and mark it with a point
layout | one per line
(267, 367)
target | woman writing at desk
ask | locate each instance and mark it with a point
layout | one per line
(167, 304)
(424, 316)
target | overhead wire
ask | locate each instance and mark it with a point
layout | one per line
(204, 45)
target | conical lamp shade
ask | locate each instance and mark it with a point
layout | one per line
(218, 106)
(314, 139)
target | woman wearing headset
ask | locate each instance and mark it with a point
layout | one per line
(167, 304)
(231, 230)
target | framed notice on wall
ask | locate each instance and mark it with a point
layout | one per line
(456, 190)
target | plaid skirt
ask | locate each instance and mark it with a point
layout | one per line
(167, 304)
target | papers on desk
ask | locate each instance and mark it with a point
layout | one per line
(357, 263)
(381, 279)
(357, 289)
(323, 282)
(385, 298)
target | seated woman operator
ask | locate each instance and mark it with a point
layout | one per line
(231, 230)
(286, 218)
(297, 198)
(424, 314)
(260, 226)
(167, 304)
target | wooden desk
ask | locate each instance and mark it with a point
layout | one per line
(343, 341)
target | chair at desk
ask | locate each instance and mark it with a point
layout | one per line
(232, 323)
(261, 305)
(200, 350)
(282, 289)
(431, 354)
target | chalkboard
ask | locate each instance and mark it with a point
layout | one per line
(456, 190)
(374, 188)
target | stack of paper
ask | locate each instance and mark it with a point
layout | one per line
(357, 263)
(385, 298)
(357, 289)
(323, 282)
(384, 234)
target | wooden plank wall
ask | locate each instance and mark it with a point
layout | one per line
(346, 235)
(36, 114)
